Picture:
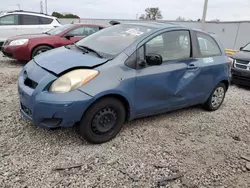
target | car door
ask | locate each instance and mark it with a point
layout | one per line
(176, 82)
(214, 64)
(9, 26)
(79, 33)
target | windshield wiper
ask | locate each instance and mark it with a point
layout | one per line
(246, 50)
(91, 50)
(80, 47)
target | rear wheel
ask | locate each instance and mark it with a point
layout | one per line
(102, 121)
(40, 49)
(216, 98)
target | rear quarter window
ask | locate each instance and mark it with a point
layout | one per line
(45, 21)
(208, 46)
(83, 31)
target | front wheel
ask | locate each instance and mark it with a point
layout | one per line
(40, 49)
(102, 121)
(216, 98)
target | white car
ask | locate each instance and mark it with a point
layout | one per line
(23, 22)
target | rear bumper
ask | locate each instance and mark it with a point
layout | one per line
(241, 77)
(16, 52)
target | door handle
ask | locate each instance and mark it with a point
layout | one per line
(192, 66)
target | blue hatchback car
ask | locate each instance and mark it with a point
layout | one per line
(120, 73)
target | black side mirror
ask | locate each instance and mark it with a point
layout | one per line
(154, 59)
(241, 48)
(68, 36)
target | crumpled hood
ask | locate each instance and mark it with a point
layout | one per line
(241, 55)
(61, 59)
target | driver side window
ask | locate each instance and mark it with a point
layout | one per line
(83, 31)
(171, 45)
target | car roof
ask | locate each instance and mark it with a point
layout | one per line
(29, 13)
(215, 36)
(160, 25)
(156, 25)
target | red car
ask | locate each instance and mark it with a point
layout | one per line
(25, 47)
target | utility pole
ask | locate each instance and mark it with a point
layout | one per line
(41, 6)
(46, 7)
(204, 15)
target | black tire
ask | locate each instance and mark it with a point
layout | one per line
(208, 105)
(40, 49)
(232, 81)
(94, 128)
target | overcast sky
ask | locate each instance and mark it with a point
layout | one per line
(127, 9)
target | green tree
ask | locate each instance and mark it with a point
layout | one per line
(59, 15)
(151, 14)
(71, 16)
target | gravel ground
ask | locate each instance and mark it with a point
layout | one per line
(205, 148)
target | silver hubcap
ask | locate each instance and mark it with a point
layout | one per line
(217, 97)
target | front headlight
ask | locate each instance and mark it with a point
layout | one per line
(19, 42)
(73, 80)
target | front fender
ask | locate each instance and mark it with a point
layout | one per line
(114, 80)
(118, 94)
